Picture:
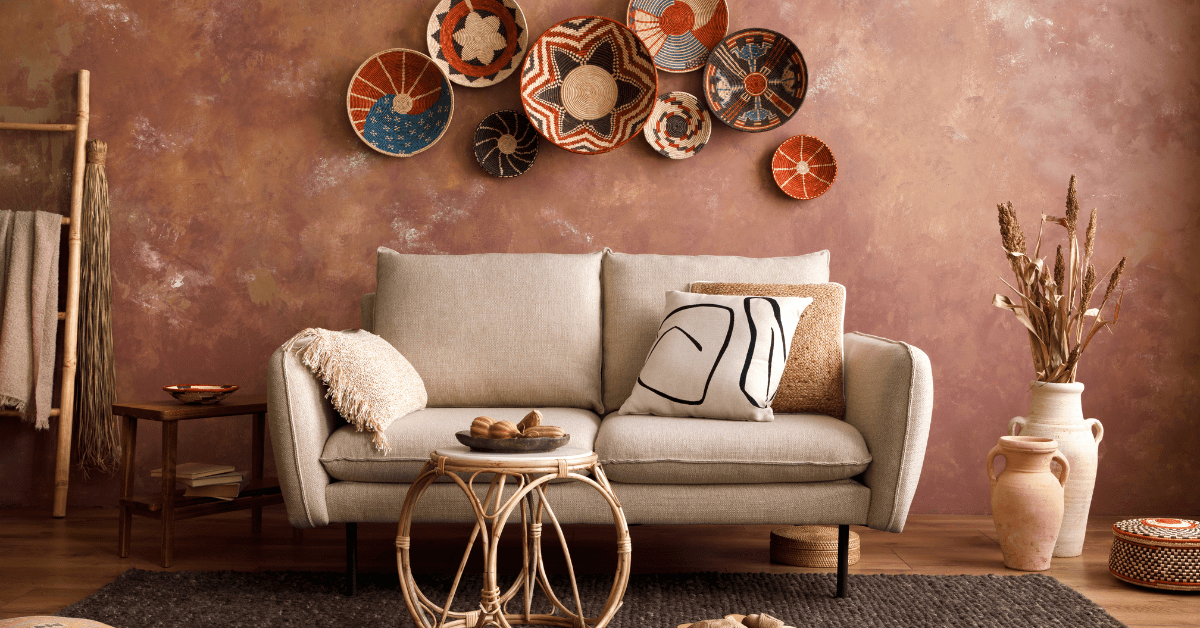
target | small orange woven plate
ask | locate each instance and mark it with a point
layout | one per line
(803, 167)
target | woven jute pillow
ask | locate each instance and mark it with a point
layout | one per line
(812, 379)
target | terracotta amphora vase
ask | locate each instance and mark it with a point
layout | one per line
(1056, 411)
(1027, 500)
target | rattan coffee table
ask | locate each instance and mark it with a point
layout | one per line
(530, 473)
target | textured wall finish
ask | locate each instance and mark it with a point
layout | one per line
(245, 208)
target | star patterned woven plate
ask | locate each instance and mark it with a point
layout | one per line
(679, 126)
(588, 84)
(803, 167)
(506, 144)
(399, 102)
(755, 80)
(477, 42)
(679, 33)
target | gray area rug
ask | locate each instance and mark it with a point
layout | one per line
(266, 599)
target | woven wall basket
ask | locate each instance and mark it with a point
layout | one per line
(803, 167)
(679, 126)
(588, 84)
(1157, 553)
(755, 80)
(400, 102)
(679, 34)
(810, 546)
(477, 42)
(506, 144)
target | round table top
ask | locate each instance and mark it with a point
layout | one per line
(463, 455)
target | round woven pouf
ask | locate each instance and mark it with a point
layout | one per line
(810, 546)
(42, 621)
(1157, 553)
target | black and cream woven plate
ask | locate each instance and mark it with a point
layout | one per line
(506, 144)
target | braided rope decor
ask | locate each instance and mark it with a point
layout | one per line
(506, 144)
(803, 167)
(679, 126)
(400, 102)
(679, 33)
(1157, 553)
(588, 84)
(755, 80)
(477, 42)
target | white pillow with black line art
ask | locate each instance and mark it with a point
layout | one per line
(717, 357)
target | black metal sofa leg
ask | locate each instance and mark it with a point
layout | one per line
(352, 558)
(843, 559)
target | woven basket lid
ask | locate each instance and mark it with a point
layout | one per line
(1161, 531)
(810, 538)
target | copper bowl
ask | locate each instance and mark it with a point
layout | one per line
(200, 394)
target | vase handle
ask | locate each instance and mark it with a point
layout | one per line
(1097, 429)
(1016, 425)
(992, 456)
(1066, 468)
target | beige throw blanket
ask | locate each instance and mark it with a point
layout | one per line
(28, 311)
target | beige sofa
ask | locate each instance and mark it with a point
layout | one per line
(499, 334)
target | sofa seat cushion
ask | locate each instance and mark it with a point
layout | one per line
(644, 449)
(349, 454)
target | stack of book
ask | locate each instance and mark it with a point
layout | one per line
(218, 481)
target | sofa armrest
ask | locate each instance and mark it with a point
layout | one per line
(301, 420)
(889, 400)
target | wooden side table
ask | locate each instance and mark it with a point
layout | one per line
(528, 475)
(170, 505)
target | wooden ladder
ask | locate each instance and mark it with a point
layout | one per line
(70, 314)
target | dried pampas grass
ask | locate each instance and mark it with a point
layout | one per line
(1055, 305)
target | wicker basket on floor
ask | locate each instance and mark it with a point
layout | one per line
(1157, 553)
(809, 546)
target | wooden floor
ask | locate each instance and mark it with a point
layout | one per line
(46, 564)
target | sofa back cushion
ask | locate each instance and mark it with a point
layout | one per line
(634, 289)
(495, 329)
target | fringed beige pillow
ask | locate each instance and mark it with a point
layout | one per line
(370, 383)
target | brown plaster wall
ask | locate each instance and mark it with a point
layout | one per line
(245, 209)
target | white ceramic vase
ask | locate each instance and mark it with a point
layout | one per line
(1056, 411)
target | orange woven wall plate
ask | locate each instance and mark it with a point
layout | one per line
(803, 167)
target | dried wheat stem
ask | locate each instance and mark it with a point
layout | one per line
(1060, 268)
(1089, 240)
(1072, 216)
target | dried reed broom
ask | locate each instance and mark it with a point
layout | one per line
(99, 436)
(1054, 305)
